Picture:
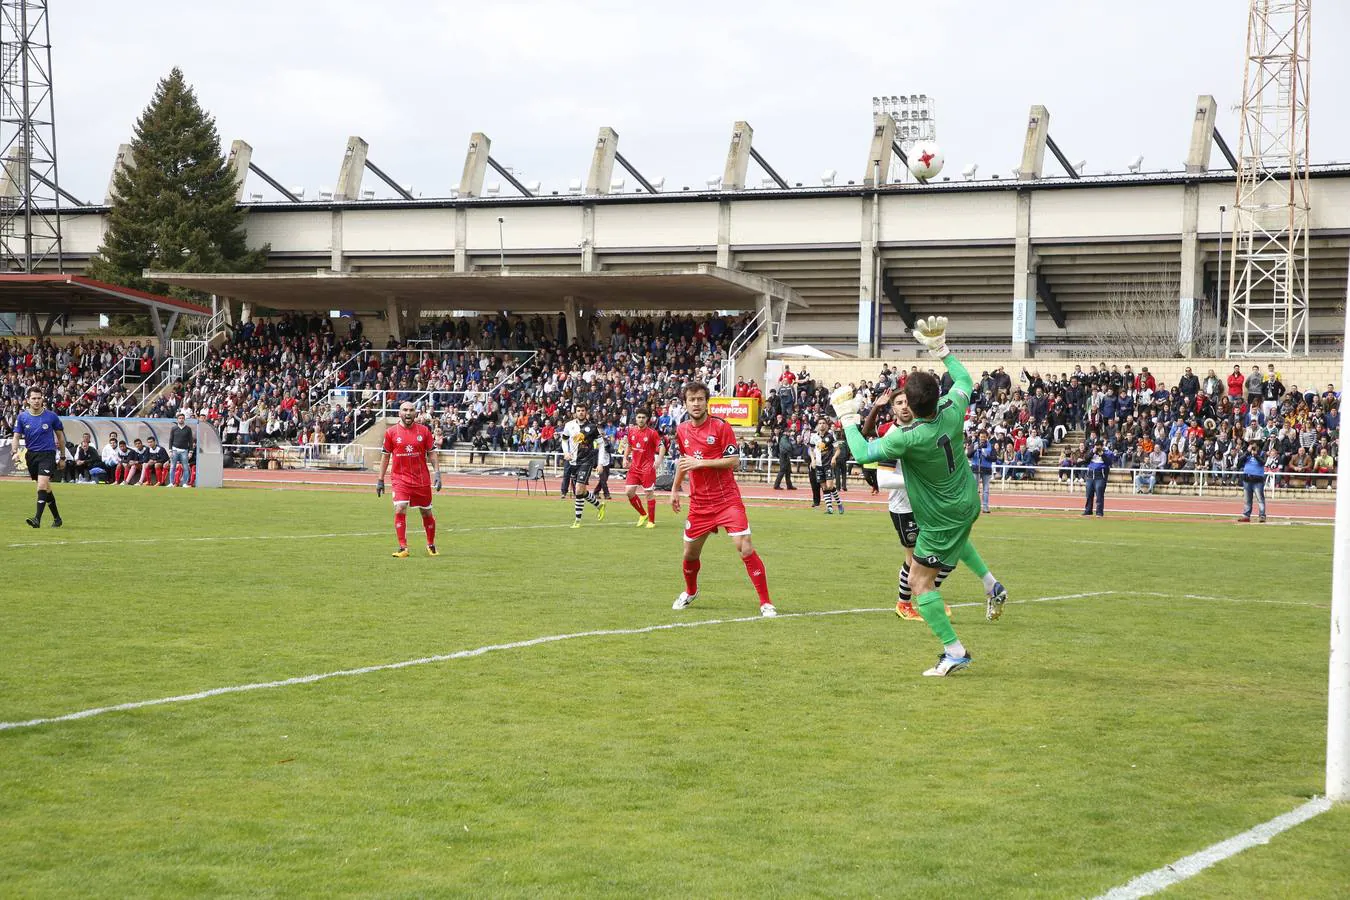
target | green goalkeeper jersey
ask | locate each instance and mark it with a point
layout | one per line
(942, 488)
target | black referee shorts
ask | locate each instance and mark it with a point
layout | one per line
(41, 464)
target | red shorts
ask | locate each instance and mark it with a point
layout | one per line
(644, 478)
(707, 521)
(418, 496)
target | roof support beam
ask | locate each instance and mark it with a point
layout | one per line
(637, 176)
(900, 152)
(763, 164)
(276, 185)
(515, 182)
(37, 176)
(1063, 160)
(379, 173)
(898, 302)
(1047, 298)
(1227, 153)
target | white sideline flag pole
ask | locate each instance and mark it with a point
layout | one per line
(1338, 691)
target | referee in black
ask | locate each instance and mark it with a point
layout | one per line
(45, 443)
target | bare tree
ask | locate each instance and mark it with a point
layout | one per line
(1141, 320)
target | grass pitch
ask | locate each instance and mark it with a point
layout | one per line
(1093, 739)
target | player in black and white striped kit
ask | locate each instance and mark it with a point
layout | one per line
(586, 453)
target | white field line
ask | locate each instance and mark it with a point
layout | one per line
(1160, 879)
(459, 654)
(1223, 599)
(298, 537)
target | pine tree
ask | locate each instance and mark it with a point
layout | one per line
(175, 207)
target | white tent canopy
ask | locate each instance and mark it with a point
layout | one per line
(801, 351)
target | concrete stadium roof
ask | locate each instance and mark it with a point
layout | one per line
(689, 289)
(60, 294)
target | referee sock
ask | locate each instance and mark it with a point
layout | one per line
(51, 504)
(41, 505)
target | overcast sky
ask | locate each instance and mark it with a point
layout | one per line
(416, 77)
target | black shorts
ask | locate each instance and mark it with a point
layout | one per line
(41, 464)
(906, 527)
(581, 473)
(824, 473)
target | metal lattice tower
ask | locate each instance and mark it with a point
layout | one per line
(30, 199)
(1268, 313)
(915, 118)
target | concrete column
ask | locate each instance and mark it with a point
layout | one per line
(1191, 282)
(588, 238)
(867, 276)
(124, 161)
(879, 154)
(1033, 149)
(337, 262)
(602, 162)
(570, 313)
(13, 173)
(475, 165)
(241, 154)
(461, 240)
(738, 157)
(1024, 282)
(412, 318)
(353, 167)
(725, 260)
(1202, 134)
(392, 317)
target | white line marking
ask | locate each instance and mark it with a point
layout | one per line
(462, 654)
(1160, 879)
(293, 537)
(1224, 599)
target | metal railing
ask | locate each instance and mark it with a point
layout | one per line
(206, 329)
(745, 336)
(190, 355)
(1173, 482)
(139, 400)
(88, 402)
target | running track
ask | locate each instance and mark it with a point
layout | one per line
(1319, 509)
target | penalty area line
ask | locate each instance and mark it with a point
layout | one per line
(460, 654)
(1189, 866)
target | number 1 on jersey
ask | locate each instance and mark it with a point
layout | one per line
(946, 444)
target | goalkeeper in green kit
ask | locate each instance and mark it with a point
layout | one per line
(942, 488)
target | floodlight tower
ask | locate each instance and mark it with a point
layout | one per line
(30, 194)
(1268, 312)
(915, 118)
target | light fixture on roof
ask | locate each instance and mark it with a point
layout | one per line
(659, 182)
(1137, 163)
(616, 185)
(767, 182)
(367, 194)
(828, 176)
(255, 198)
(574, 186)
(1080, 166)
(325, 193)
(299, 191)
(968, 173)
(493, 189)
(714, 184)
(533, 186)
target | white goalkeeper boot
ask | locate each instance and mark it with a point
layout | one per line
(683, 601)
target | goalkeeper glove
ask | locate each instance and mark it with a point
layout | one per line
(932, 333)
(846, 406)
(379, 488)
(438, 482)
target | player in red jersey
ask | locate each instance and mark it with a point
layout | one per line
(646, 451)
(708, 456)
(412, 448)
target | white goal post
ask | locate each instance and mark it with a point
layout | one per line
(1338, 692)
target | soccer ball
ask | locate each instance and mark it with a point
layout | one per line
(925, 160)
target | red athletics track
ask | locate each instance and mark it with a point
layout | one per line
(1319, 509)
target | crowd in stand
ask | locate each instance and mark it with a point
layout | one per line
(79, 376)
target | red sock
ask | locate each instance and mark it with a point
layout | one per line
(754, 567)
(429, 523)
(651, 510)
(637, 504)
(401, 528)
(691, 567)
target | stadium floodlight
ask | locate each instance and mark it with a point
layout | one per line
(493, 189)
(1137, 163)
(534, 186)
(828, 176)
(616, 185)
(325, 193)
(255, 198)
(968, 173)
(367, 194)
(767, 182)
(574, 186)
(659, 182)
(1080, 166)
(714, 184)
(299, 192)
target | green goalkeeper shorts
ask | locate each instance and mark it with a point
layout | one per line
(941, 547)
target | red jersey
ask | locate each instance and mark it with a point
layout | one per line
(714, 439)
(643, 444)
(409, 448)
